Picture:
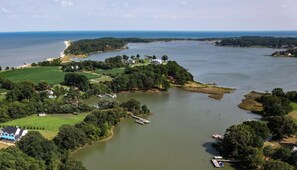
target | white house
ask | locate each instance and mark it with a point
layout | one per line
(41, 114)
(12, 133)
(156, 61)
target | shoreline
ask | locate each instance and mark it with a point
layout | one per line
(107, 138)
(62, 55)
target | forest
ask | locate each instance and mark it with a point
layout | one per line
(257, 41)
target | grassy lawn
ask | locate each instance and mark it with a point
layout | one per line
(52, 75)
(111, 71)
(50, 122)
(293, 114)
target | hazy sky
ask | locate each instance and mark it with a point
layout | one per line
(195, 15)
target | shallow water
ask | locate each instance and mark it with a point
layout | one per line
(179, 136)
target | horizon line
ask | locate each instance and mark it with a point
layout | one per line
(28, 31)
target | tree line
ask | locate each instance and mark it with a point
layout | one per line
(251, 41)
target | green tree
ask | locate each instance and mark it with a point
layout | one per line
(71, 164)
(282, 153)
(164, 57)
(12, 158)
(70, 138)
(277, 165)
(77, 80)
(268, 151)
(125, 57)
(36, 146)
(281, 126)
(237, 138)
(43, 85)
(259, 128)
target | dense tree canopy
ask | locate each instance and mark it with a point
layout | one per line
(281, 126)
(77, 80)
(36, 146)
(250, 41)
(13, 158)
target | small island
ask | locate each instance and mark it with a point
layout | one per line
(286, 53)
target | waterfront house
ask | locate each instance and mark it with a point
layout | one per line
(156, 61)
(12, 133)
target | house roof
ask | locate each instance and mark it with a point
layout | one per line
(10, 129)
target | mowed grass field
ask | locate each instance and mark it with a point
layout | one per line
(50, 122)
(51, 74)
(111, 71)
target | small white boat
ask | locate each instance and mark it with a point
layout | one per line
(139, 121)
(218, 157)
(99, 95)
(217, 136)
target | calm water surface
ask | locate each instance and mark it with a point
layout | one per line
(179, 136)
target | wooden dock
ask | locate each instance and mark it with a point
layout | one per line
(140, 119)
(215, 163)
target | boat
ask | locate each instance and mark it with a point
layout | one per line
(99, 95)
(217, 136)
(139, 121)
(218, 157)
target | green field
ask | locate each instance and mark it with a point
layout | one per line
(293, 114)
(294, 106)
(50, 122)
(52, 75)
(114, 71)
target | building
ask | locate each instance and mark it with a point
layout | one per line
(41, 114)
(156, 61)
(12, 133)
(294, 149)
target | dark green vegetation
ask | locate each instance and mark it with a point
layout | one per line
(245, 141)
(256, 41)
(52, 75)
(89, 46)
(34, 151)
(150, 77)
(286, 53)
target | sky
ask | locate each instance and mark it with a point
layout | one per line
(176, 15)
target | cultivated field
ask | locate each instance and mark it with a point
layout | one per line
(51, 74)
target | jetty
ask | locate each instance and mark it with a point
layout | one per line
(217, 163)
(139, 122)
(139, 119)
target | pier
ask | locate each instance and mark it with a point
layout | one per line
(139, 119)
(216, 163)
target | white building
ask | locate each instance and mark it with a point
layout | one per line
(156, 61)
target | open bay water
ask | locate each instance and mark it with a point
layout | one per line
(17, 48)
